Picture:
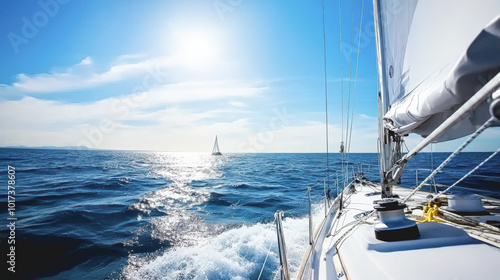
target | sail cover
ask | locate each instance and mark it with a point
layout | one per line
(436, 55)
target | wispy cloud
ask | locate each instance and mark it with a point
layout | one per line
(238, 104)
(83, 75)
(159, 98)
(86, 61)
(199, 91)
(366, 117)
(167, 107)
(347, 79)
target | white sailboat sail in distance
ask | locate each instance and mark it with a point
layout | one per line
(215, 150)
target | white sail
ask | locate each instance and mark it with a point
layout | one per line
(436, 56)
(215, 150)
(453, 47)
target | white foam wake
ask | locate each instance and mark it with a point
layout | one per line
(234, 254)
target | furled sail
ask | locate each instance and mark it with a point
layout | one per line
(436, 55)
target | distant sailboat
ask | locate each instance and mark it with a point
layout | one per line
(215, 150)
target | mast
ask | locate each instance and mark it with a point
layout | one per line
(384, 140)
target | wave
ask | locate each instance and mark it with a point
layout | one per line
(49, 255)
(139, 215)
(171, 197)
(234, 254)
(237, 253)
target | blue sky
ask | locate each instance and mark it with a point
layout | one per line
(170, 75)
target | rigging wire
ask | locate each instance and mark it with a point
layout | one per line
(468, 174)
(432, 160)
(346, 159)
(267, 255)
(326, 95)
(341, 83)
(487, 124)
(407, 150)
(351, 117)
(350, 77)
(356, 77)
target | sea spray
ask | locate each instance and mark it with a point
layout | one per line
(237, 253)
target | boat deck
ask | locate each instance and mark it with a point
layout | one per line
(346, 247)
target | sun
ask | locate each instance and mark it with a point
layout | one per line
(197, 48)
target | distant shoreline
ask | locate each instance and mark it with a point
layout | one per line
(83, 148)
(48, 148)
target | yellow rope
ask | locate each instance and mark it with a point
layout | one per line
(430, 213)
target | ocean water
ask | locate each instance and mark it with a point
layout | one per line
(157, 215)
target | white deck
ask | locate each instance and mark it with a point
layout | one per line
(441, 252)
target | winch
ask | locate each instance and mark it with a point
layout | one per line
(393, 225)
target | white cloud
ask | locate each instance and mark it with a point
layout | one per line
(38, 110)
(486, 142)
(191, 138)
(176, 127)
(163, 119)
(86, 61)
(33, 113)
(307, 137)
(198, 91)
(161, 112)
(238, 104)
(83, 75)
(128, 58)
(181, 116)
(366, 117)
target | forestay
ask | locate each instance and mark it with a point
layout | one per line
(437, 54)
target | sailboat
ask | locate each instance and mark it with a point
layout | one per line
(215, 150)
(438, 68)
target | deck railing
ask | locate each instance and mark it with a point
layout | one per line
(281, 246)
(337, 179)
(433, 181)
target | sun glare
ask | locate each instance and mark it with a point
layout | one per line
(198, 49)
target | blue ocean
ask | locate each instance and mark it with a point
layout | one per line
(95, 214)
